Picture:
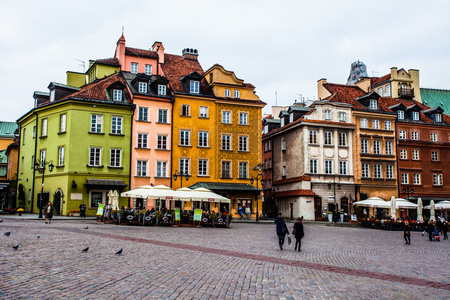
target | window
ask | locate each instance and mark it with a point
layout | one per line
(365, 170)
(377, 147)
(116, 125)
(203, 139)
(434, 155)
(270, 145)
(390, 171)
(388, 90)
(226, 142)
(184, 165)
(433, 137)
(364, 146)
(143, 114)
(115, 157)
(237, 94)
(185, 138)
(380, 91)
(291, 117)
(44, 128)
(387, 125)
(61, 156)
(96, 123)
(134, 68)
(375, 124)
(243, 143)
(373, 103)
(388, 148)
(227, 93)
(22, 167)
(162, 89)
(416, 178)
(161, 143)
(265, 147)
(283, 144)
(438, 117)
(142, 141)
(437, 179)
(34, 133)
(23, 136)
(313, 166)
(414, 135)
(405, 178)
(243, 170)
(226, 117)
(117, 95)
(282, 122)
(400, 114)
(403, 154)
(202, 167)
(402, 134)
(62, 123)
(148, 70)
(313, 136)
(162, 116)
(270, 163)
(243, 118)
(415, 115)
(342, 139)
(95, 157)
(203, 112)
(364, 123)
(343, 167)
(195, 87)
(283, 171)
(142, 87)
(328, 167)
(328, 137)
(96, 198)
(327, 114)
(415, 154)
(141, 168)
(226, 169)
(265, 164)
(161, 169)
(342, 116)
(377, 171)
(185, 110)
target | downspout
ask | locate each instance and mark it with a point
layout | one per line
(18, 170)
(171, 144)
(34, 169)
(396, 160)
(133, 107)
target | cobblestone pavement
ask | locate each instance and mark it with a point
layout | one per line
(241, 262)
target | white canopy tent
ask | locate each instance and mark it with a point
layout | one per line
(440, 205)
(373, 202)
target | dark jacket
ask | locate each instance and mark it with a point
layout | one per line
(82, 207)
(298, 227)
(280, 226)
(51, 209)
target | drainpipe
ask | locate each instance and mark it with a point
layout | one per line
(34, 170)
(133, 107)
(396, 160)
(171, 145)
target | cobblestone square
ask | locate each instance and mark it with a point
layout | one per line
(240, 262)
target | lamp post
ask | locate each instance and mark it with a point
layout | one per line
(334, 183)
(407, 190)
(181, 175)
(257, 179)
(40, 166)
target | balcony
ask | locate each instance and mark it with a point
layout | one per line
(404, 92)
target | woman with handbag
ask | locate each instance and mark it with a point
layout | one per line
(298, 233)
(281, 231)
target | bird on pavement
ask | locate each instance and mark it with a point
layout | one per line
(38, 236)
(16, 247)
(7, 233)
(85, 250)
(86, 227)
(1, 220)
(119, 252)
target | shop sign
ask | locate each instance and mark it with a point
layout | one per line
(197, 214)
(76, 196)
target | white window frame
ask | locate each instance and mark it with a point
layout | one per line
(226, 169)
(327, 114)
(148, 69)
(134, 68)
(437, 179)
(185, 137)
(115, 157)
(365, 170)
(95, 156)
(328, 167)
(313, 166)
(243, 118)
(203, 112)
(243, 143)
(364, 123)
(226, 117)
(389, 171)
(405, 178)
(161, 169)
(143, 87)
(162, 89)
(243, 170)
(62, 123)
(161, 142)
(203, 169)
(96, 123)
(143, 114)
(373, 103)
(438, 117)
(141, 168)
(377, 173)
(376, 147)
(416, 179)
(364, 146)
(342, 116)
(283, 171)
(116, 125)
(387, 125)
(414, 135)
(227, 93)
(185, 110)
(184, 164)
(44, 127)
(403, 154)
(433, 137)
(237, 94)
(117, 95)
(194, 87)
(162, 116)
(203, 139)
(343, 167)
(415, 116)
(142, 141)
(415, 154)
(400, 114)
(388, 147)
(342, 139)
(226, 142)
(375, 124)
(328, 138)
(313, 137)
(434, 155)
(402, 134)
(61, 151)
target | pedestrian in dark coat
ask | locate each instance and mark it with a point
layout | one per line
(445, 230)
(430, 229)
(298, 233)
(281, 231)
(82, 210)
(49, 213)
(407, 232)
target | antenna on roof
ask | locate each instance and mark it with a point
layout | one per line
(276, 98)
(82, 64)
(375, 72)
(122, 29)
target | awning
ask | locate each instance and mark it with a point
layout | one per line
(225, 187)
(105, 184)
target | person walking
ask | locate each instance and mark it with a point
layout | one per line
(49, 213)
(282, 230)
(445, 229)
(407, 232)
(82, 210)
(430, 229)
(241, 212)
(248, 211)
(298, 233)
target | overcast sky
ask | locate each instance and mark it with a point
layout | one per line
(278, 46)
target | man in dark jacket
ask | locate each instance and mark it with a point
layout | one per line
(281, 231)
(82, 210)
(298, 233)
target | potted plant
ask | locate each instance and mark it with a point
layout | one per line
(213, 217)
(158, 216)
(20, 211)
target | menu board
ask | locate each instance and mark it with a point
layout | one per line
(197, 214)
(177, 214)
(100, 209)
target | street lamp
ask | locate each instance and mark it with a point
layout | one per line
(257, 179)
(40, 166)
(408, 190)
(181, 174)
(334, 183)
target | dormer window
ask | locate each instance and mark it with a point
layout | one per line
(142, 87)
(415, 115)
(400, 114)
(327, 114)
(237, 94)
(282, 122)
(438, 117)
(195, 87)
(342, 117)
(134, 68)
(117, 95)
(52, 95)
(291, 118)
(373, 104)
(162, 90)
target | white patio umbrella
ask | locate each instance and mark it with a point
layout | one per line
(372, 203)
(442, 205)
(433, 212)
(403, 203)
(393, 211)
(208, 195)
(419, 210)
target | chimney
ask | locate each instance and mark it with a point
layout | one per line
(120, 50)
(322, 92)
(159, 48)
(189, 53)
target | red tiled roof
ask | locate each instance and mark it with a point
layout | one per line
(141, 52)
(377, 80)
(293, 179)
(294, 193)
(108, 61)
(176, 67)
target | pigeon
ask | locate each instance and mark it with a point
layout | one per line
(38, 236)
(7, 233)
(16, 247)
(85, 250)
(119, 252)
(86, 227)
(1, 220)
